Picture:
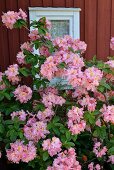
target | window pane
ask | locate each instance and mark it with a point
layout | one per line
(59, 28)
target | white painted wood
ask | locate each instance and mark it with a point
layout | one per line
(71, 14)
(54, 9)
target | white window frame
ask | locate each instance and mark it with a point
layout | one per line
(71, 14)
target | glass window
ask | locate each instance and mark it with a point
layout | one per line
(60, 28)
(64, 20)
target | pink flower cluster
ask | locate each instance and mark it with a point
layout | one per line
(79, 91)
(11, 17)
(108, 113)
(110, 63)
(52, 146)
(12, 73)
(99, 96)
(21, 58)
(23, 93)
(92, 78)
(50, 66)
(76, 124)
(73, 62)
(99, 152)
(50, 100)
(27, 46)
(34, 35)
(45, 115)
(44, 51)
(91, 166)
(112, 43)
(88, 102)
(68, 42)
(66, 161)
(20, 152)
(20, 114)
(35, 130)
(74, 77)
(2, 84)
(46, 22)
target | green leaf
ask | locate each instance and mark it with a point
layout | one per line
(68, 144)
(24, 71)
(111, 151)
(45, 156)
(7, 95)
(20, 23)
(74, 138)
(62, 65)
(68, 135)
(100, 132)
(56, 130)
(56, 119)
(90, 117)
(1, 128)
(101, 89)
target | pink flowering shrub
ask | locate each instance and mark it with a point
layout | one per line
(64, 118)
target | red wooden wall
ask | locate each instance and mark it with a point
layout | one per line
(97, 26)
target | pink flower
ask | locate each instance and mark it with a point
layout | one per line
(23, 93)
(108, 113)
(22, 14)
(99, 96)
(74, 77)
(50, 66)
(27, 46)
(48, 24)
(0, 154)
(29, 153)
(111, 159)
(50, 100)
(98, 123)
(47, 36)
(99, 152)
(2, 84)
(92, 77)
(9, 19)
(21, 114)
(112, 43)
(35, 130)
(90, 102)
(76, 124)
(73, 60)
(79, 91)
(12, 73)
(21, 58)
(66, 161)
(34, 35)
(44, 51)
(110, 62)
(20, 152)
(98, 167)
(79, 46)
(45, 115)
(91, 166)
(53, 147)
(68, 42)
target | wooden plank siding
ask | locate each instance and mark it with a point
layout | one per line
(96, 26)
